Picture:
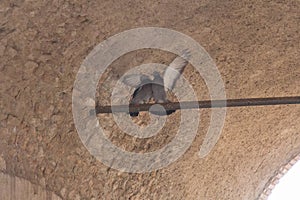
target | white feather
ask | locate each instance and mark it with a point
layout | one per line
(174, 70)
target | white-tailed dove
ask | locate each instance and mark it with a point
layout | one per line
(156, 88)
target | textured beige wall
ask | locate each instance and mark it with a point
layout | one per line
(255, 45)
(275, 180)
(17, 188)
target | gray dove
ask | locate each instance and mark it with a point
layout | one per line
(159, 94)
(143, 91)
(156, 88)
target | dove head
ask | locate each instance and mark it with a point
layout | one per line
(156, 74)
(157, 78)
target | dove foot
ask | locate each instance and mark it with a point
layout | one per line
(169, 112)
(134, 114)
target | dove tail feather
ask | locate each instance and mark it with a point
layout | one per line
(173, 72)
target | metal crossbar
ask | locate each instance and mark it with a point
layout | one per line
(201, 104)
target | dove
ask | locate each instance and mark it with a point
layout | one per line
(143, 91)
(156, 88)
(159, 93)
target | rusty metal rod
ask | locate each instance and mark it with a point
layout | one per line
(202, 104)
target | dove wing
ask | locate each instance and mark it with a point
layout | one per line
(173, 72)
(134, 80)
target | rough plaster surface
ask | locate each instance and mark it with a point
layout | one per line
(255, 45)
(17, 188)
